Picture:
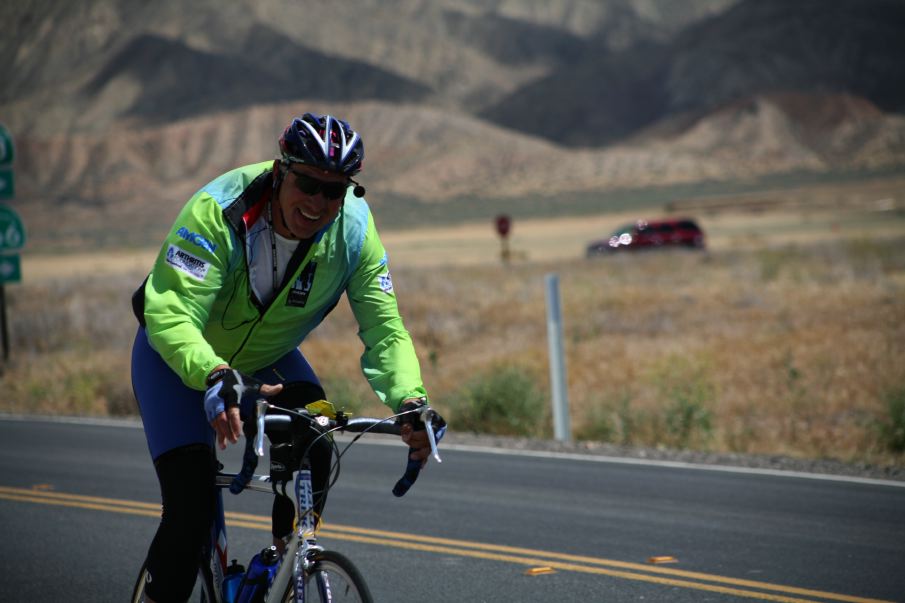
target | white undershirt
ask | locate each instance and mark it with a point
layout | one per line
(260, 261)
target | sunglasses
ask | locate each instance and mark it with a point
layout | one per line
(311, 186)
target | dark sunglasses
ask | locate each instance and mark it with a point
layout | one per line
(312, 186)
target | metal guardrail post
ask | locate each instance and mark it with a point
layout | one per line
(562, 429)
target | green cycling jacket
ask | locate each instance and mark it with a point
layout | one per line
(200, 311)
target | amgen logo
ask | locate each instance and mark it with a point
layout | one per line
(197, 239)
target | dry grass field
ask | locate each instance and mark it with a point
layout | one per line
(787, 336)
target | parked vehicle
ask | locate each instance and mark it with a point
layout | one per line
(651, 234)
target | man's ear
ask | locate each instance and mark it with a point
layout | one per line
(279, 172)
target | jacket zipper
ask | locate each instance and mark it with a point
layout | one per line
(244, 341)
(262, 312)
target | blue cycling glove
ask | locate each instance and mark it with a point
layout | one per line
(226, 389)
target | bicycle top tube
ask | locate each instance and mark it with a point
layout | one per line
(258, 483)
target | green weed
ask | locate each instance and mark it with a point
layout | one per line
(891, 428)
(687, 392)
(504, 400)
(611, 420)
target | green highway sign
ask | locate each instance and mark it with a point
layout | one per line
(12, 231)
(10, 269)
(7, 183)
(7, 151)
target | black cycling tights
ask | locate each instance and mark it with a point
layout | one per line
(187, 488)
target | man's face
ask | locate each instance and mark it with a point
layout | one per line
(309, 199)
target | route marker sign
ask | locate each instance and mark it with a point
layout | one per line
(12, 231)
(7, 183)
(7, 151)
(7, 154)
(10, 269)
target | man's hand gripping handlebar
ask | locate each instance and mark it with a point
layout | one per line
(415, 418)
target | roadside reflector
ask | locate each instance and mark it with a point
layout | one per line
(662, 559)
(537, 571)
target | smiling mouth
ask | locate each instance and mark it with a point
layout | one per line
(309, 216)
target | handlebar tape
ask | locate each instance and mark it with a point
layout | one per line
(412, 469)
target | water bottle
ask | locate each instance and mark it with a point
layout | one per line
(261, 570)
(235, 573)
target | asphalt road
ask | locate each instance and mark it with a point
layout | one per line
(78, 506)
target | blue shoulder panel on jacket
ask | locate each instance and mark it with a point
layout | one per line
(355, 223)
(228, 187)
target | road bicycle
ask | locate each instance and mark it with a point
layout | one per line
(305, 572)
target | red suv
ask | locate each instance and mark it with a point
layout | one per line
(653, 234)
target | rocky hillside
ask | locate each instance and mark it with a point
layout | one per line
(122, 108)
(755, 47)
(92, 62)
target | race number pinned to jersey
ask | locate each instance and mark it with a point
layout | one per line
(386, 282)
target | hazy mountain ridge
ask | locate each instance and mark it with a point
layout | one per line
(755, 47)
(179, 81)
(467, 52)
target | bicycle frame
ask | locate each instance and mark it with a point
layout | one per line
(302, 544)
(212, 574)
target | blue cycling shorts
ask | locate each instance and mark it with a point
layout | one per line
(172, 412)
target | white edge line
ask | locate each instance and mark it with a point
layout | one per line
(679, 465)
(136, 423)
(98, 421)
(653, 463)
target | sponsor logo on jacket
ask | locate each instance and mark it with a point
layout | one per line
(183, 261)
(301, 288)
(386, 282)
(197, 239)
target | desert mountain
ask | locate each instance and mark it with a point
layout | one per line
(755, 47)
(122, 108)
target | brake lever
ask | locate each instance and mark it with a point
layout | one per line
(427, 417)
(260, 413)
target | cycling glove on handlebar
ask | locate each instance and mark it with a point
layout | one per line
(226, 388)
(415, 418)
(413, 467)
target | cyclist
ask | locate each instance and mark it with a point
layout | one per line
(255, 260)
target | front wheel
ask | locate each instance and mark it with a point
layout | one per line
(332, 579)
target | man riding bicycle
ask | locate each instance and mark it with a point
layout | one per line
(255, 260)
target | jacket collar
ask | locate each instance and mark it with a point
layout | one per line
(247, 208)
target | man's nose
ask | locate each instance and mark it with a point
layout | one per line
(318, 198)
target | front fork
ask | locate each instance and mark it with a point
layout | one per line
(305, 531)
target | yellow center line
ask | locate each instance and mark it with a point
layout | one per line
(508, 554)
(596, 561)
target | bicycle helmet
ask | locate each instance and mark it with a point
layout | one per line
(323, 141)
